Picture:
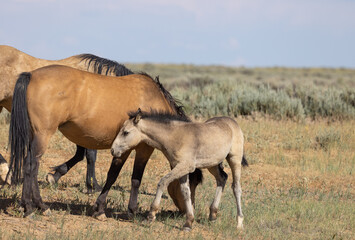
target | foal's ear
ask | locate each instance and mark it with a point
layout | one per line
(138, 116)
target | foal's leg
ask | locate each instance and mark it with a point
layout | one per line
(64, 168)
(185, 190)
(143, 153)
(178, 171)
(221, 178)
(113, 172)
(4, 168)
(234, 162)
(91, 182)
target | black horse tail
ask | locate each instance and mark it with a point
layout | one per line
(20, 133)
(244, 162)
(196, 177)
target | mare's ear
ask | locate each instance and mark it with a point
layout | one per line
(138, 116)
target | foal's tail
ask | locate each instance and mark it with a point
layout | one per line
(244, 162)
(20, 133)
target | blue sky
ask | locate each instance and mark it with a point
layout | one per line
(251, 33)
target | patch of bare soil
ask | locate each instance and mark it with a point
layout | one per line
(70, 205)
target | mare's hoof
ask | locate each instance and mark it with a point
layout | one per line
(50, 178)
(96, 188)
(131, 215)
(132, 211)
(100, 216)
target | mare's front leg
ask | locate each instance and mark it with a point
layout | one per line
(62, 169)
(177, 172)
(91, 182)
(113, 172)
(143, 153)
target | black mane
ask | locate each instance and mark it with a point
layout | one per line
(173, 102)
(99, 64)
(158, 116)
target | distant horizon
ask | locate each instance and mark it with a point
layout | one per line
(240, 66)
(255, 33)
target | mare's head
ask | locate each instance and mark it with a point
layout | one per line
(129, 135)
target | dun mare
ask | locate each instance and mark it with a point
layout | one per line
(89, 110)
(188, 146)
(13, 62)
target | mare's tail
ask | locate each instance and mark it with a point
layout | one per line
(20, 133)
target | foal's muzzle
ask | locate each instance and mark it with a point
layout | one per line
(115, 153)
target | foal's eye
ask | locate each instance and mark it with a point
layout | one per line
(125, 133)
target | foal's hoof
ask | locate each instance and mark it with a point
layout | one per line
(29, 215)
(186, 229)
(47, 212)
(148, 221)
(240, 223)
(151, 219)
(50, 178)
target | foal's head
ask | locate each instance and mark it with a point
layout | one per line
(129, 135)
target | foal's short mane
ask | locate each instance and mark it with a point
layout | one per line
(100, 64)
(161, 117)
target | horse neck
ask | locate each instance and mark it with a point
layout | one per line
(157, 134)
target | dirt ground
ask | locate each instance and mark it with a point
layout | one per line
(76, 219)
(70, 205)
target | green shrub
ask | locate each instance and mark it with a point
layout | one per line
(207, 98)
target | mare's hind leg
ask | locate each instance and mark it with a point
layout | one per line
(221, 178)
(143, 153)
(30, 184)
(234, 162)
(91, 182)
(113, 172)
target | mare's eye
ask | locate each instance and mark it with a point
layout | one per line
(125, 133)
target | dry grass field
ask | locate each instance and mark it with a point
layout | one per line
(299, 185)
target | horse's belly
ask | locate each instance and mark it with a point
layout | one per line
(92, 138)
